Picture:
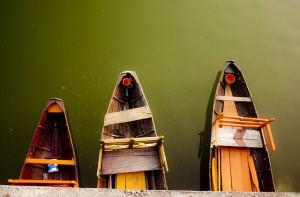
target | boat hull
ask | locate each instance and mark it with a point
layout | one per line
(130, 148)
(239, 159)
(50, 160)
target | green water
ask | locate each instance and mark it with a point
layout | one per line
(75, 50)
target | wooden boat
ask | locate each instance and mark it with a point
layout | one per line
(239, 156)
(131, 154)
(50, 160)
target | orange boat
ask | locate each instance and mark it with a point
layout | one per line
(51, 159)
(131, 154)
(239, 158)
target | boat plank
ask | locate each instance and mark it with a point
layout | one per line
(253, 174)
(245, 153)
(239, 138)
(233, 98)
(121, 181)
(236, 169)
(129, 160)
(127, 115)
(225, 169)
(49, 161)
(141, 180)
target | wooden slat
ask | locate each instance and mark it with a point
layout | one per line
(224, 120)
(247, 186)
(141, 180)
(236, 169)
(164, 158)
(133, 181)
(229, 106)
(121, 181)
(136, 143)
(225, 169)
(130, 160)
(270, 137)
(127, 115)
(214, 175)
(43, 182)
(237, 138)
(127, 140)
(222, 115)
(50, 161)
(233, 98)
(100, 161)
(253, 174)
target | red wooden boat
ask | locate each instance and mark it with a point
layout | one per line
(51, 159)
(131, 154)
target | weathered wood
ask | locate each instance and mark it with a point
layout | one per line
(51, 140)
(233, 98)
(239, 138)
(127, 140)
(130, 160)
(127, 115)
(128, 143)
(163, 158)
(100, 161)
(129, 121)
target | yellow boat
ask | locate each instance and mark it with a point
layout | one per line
(239, 159)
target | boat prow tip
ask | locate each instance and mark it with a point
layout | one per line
(128, 72)
(56, 99)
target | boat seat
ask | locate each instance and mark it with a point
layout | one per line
(134, 147)
(49, 161)
(233, 98)
(242, 123)
(44, 182)
(127, 115)
(239, 137)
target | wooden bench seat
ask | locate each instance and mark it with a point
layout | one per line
(43, 182)
(49, 161)
(127, 115)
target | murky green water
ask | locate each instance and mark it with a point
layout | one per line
(75, 50)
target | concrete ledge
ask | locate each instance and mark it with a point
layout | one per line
(12, 191)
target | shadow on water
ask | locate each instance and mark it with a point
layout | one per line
(204, 144)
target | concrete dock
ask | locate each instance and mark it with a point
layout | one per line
(12, 191)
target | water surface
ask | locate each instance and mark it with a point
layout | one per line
(75, 50)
